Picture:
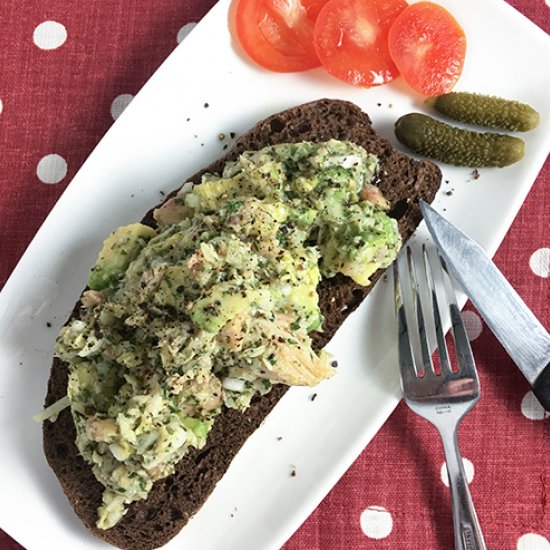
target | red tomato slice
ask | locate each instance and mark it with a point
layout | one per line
(278, 34)
(351, 40)
(428, 47)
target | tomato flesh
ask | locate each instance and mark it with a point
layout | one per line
(313, 7)
(278, 34)
(350, 39)
(429, 47)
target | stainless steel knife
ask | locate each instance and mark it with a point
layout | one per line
(513, 323)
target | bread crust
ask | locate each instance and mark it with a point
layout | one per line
(172, 502)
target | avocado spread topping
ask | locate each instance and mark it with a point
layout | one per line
(215, 305)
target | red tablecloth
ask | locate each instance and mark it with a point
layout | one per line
(67, 70)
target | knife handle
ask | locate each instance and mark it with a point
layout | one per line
(541, 387)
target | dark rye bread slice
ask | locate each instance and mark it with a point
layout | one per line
(153, 522)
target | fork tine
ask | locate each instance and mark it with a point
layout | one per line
(464, 354)
(435, 281)
(406, 359)
(427, 364)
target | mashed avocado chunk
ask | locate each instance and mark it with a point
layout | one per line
(215, 305)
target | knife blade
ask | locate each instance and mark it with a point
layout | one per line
(512, 322)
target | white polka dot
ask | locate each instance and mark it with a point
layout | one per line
(51, 168)
(539, 262)
(184, 31)
(50, 35)
(468, 470)
(472, 324)
(376, 522)
(1, 106)
(531, 407)
(532, 541)
(119, 104)
(548, 3)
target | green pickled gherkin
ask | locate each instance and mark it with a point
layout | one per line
(485, 110)
(440, 141)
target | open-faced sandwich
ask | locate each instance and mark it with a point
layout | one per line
(196, 320)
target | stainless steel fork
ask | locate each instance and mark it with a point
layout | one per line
(423, 292)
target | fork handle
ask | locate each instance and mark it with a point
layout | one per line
(468, 535)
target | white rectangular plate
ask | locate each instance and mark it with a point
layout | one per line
(152, 148)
